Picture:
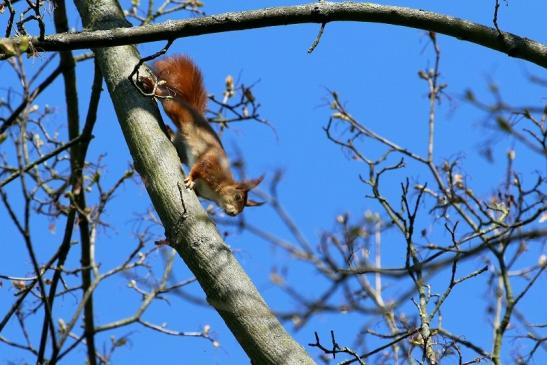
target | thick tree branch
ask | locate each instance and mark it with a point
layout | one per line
(322, 12)
(227, 287)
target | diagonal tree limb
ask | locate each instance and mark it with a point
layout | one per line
(227, 287)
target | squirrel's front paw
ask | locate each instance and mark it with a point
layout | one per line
(189, 183)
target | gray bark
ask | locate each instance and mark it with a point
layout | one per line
(322, 12)
(229, 290)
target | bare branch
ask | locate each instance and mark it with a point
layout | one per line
(322, 12)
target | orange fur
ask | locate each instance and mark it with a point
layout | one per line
(184, 77)
(179, 86)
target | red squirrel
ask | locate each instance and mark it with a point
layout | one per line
(180, 88)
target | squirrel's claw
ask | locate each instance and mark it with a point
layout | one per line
(189, 183)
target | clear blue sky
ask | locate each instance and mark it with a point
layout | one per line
(373, 67)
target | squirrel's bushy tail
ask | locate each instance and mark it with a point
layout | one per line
(183, 77)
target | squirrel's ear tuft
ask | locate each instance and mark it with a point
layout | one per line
(251, 184)
(252, 203)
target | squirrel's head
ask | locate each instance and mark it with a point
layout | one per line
(234, 196)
